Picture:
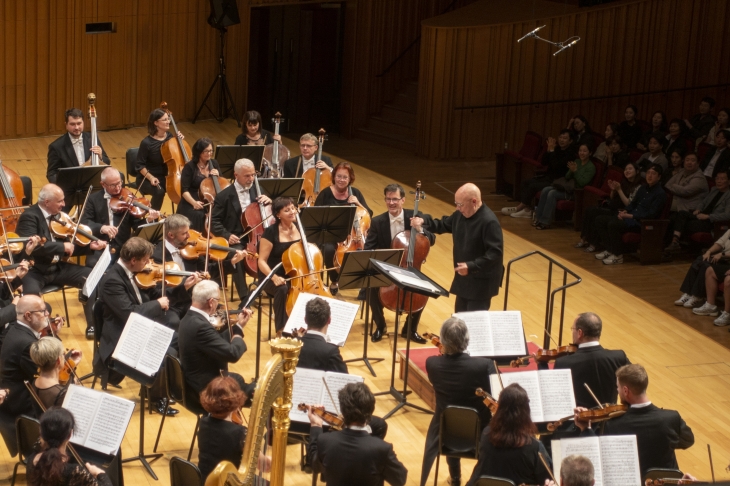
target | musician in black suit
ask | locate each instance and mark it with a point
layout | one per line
(383, 229)
(308, 145)
(120, 296)
(352, 456)
(228, 206)
(658, 432)
(455, 377)
(48, 268)
(478, 249)
(317, 352)
(73, 148)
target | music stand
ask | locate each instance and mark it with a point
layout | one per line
(112, 465)
(227, 155)
(281, 187)
(385, 269)
(256, 294)
(151, 232)
(75, 182)
(327, 224)
(357, 272)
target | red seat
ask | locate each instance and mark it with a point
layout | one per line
(708, 238)
(635, 154)
(508, 166)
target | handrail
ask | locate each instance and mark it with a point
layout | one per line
(590, 98)
(550, 297)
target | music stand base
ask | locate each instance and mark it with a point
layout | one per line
(145, 463)
(367, 361)
(403, 402)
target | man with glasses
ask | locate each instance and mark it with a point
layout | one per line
(383, 229)
(296, 166)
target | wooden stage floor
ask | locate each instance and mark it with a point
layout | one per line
(689, 371)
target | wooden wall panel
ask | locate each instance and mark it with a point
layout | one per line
(479, 88)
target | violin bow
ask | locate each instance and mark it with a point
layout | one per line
(712, 468)
(499, 375)
(6, 278)
(329, 392)
(593, 395)
(164, 254)
(254, 227)
(225, 298)
(81, 213)
(207, 238)
(544, 463)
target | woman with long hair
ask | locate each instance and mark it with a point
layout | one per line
(252, 133)
(601, 151)
(200, 167)
(658, 127)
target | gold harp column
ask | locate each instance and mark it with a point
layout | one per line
(289, 349)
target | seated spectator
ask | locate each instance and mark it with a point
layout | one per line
(611, 131)
(717, 158)
(622, 193)
(48, 353)
(658, 127)
(616, 154)
(655, 155)
(575, 470)
(582, 133)
(715, 207)
(580, 173)
(629, 130)
(555, 160)
(714, 273)
(689, 186)
(722, 123)
(647, 204)
(677, 135)
(676, 162)
(700, 124)
(694, 292)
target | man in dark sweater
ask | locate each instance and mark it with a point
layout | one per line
(700, 124)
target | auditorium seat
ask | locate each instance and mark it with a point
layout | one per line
(592, 196)
(702, 151)
(650, 241)
(567, 208)
(707, 238)
(635, 154)
(508, 168)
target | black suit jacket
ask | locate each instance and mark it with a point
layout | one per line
(204, 351)
(96, 215)
(318, 354)
(379, 233)
(226, 217)
(61, 154)
(722, 164)
(595, 366)
(290, 166)
(17, 367)
(354, 458)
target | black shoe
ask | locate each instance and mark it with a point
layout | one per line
(334, 290)
(454, 481)
(415, 337)
(377, 335)
(159, 407)
(90, 333)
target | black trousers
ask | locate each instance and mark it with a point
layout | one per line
(279, 293)
(239, 275)
(590, 230)
(376, 309)
(610, 232)
(530, 187)
(157, 193)
(694, 281)
(686, 224)
(468, 305)
(329, 250)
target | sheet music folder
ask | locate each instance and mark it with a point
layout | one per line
(410, 279)
(227, 155)
(357, 272)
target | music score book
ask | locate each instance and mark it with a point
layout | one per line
(342, 314)
(97, 272)
(143, 344)
(550, 392)
(101, 419)
(615, 458)
(309, 388)
(494, 333)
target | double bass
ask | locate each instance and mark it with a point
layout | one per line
(275, 154)
(256, 218)
(417, 247)
(176, 153)
(315, 179)
(94, 159)
(11, 198)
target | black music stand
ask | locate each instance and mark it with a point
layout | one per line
(111, 464)
(151, 232)
(256, 294)
(327, 224)
(75, 182)
(227, 155)
(281, 187)
(385, 269)
(357, 272)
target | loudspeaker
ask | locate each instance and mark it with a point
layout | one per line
(223, 13)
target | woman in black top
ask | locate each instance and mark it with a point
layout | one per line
(658, 127)
(508, 448)
(252, 133)
(150, 164)
(50, 467)
(48, 353)
(629, 130)
(340, 193)
(276, 239)
(582, 133)
(616, 153)
(193, 174)
(677, 136)
(675, 156)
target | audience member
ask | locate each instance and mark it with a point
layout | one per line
(655, 155)
(629, 130)
(689, 186)
(582, 133)
(677, 135)
(611, 131)
(722, 123)
(717, 271)
(616, 154)
(658, 127)
(717, 158)
(693, 287)
(700, 124)
(676, 162)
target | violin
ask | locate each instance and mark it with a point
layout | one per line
(7, 269)
(601, 414)
(69, 367)
(489, 400)
(435, 340)
(152, 273)
(137, 206)
(175, 153)
(275, 154)
(335, 421)
(11, 197)
(315, 179)
(57, 321)
(64, 227)
(356, 240)
(417, 247)
(255, 219)
(212, 185)
(663, 481)
(93, 159)
(298, 333)
(219, 249)
(545, 355)
(15, 242)
(303, 262)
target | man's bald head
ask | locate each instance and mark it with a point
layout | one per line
(470, 191)
(49, 191)
(468, 199)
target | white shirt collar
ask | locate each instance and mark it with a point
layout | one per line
(240, 188)
(365, 428)
(641, 405)
(80, 137)
(46, 214)
(36, 334)
(129, 273)
(400, 217)
(202, 313)
(589, 344)
(171, 248)
(309, 161)
(317, 333)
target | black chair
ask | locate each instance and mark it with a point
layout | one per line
(177, 390)
(458, 435)
(28, 433)
(28, 190)
(184, 473)
(49, 289)
(493, 481)
(662, 473)
(131, 160)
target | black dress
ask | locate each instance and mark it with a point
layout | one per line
(51, 396)
(74, 475)
(280, 292)
(219, 440)
(266, 136)
(630, 135)
(150, 158)
(190, 180)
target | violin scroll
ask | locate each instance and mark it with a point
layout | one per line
(335, 421)
(489, 400)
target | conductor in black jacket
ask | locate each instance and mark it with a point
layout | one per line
(297, 166)
(455, 377)
(658, 432)
(478, 249)
(352, 456)
(383, 229)
(72, 149)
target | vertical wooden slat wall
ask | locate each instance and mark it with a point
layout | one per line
(626, 49)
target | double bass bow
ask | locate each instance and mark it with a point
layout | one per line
(275, 154)
(176, 153)
(315, 179)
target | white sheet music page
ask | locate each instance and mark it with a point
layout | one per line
(480, 332)
(343, 314)
(307, 389)
(620, 460)
(109, 426)
(556, 393)
(336, 382)
(584, 446)
(508, 335)
(530, 382)
(82, 403)
(97, 272)
(143, 344)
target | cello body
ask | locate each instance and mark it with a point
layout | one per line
(251, 219)
(315, 179)
(356, 240)
(211, 186)
(11, 196)
(176, 153)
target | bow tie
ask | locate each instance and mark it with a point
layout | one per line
(77, 141)
(399, 219)
(107, 195)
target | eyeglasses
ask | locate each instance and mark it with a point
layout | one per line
(44, 311)
(208, 151)
(164, 120)
(342, 178)
(114, 184)
(459, 205)
(305, 145)
(393, 199)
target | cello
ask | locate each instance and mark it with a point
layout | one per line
(417, 247)
(94, 158)
(11, 197)
(275, 154)
(212, 185)
(255, 220)
(176, 153)
(315, 179)
(356, 240)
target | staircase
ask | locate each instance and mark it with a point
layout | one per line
(395, 125)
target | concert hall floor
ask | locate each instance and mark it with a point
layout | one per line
(687, 358)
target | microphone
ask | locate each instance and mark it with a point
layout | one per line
(565, 47)
(530, 34)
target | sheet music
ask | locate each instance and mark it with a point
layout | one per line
(556, 393)
(414, 282)
(620, 460)
(97, 272)
(143, 344)
(336, 382)
(82, 403)
(343, 314)
(480, 333)
(583, 446)
(154, 352)
(307, 389)
(527, 380)
(508, 335)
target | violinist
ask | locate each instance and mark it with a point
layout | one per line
(575, 470)
(383, 230)
(252, 133)
(658, 432)
(340, 193)
(150, 163)
(200, 167)
(49, 355)
(48, 268)
(454, 376)
(8, 300)
(73, 148)
(308, 145)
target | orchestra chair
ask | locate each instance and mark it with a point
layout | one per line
(176, 389)
(493, 481)
(459, 434)
(662, 473)
(131, 161)
(28, 433)
(49, 289)
(28, 190)
(184, 473)
(100, 372)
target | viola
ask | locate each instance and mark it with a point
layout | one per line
(94, 158)
(15, 242)
(7, 269)
(417, 247)
(63, 227)
(545, 355)
(176, 153)
(489, 400)
(11, 197)
(356, 240)
(315, 179)
(212, 185)
(219, 249)
(435, 340)
(152, 274)
(275, 154)
(255, 219)
(69, 367)
(600, 414)
(335, 421)
(126, 201)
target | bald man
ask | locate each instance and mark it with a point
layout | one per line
(478, 248)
